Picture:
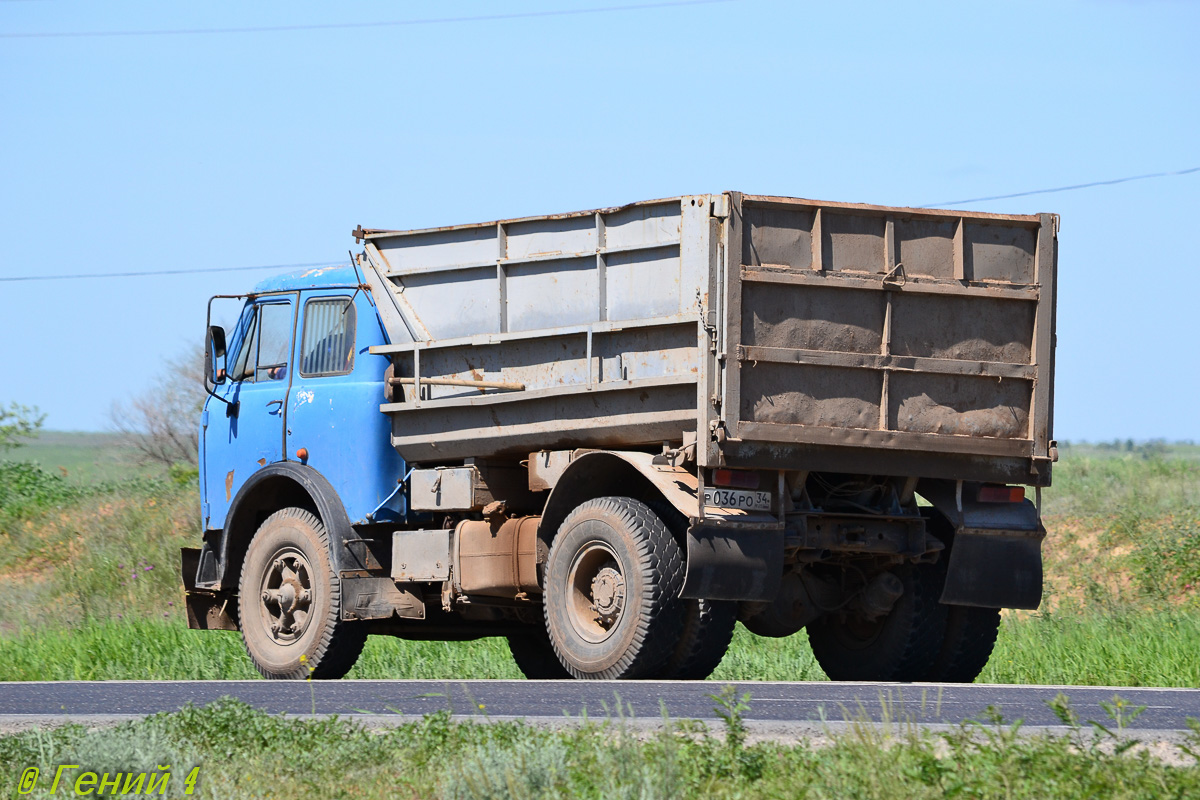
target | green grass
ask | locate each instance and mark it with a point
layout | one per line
(237, 752)
(1095, 483)
(1136, 648)
(98, 555)
(1126, 650)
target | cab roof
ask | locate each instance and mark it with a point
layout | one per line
(315, 278)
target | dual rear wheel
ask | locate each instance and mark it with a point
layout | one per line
(612, 606)
(919, 640)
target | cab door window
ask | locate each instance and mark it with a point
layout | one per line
(266, 345)
(274, 342)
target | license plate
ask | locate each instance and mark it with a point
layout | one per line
(737, 498)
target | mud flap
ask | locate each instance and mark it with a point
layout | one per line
(210, 612)
(206, 611)
(733, 563)
(379, 598)
(995, 569)
(996, 555)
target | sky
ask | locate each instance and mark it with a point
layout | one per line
(238, 149)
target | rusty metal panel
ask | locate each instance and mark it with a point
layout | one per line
(546, 467)
(572, 283)
(730, 291)
(643, 283)
(550, 237)
(802, 394)
(624, 414)
(379, 598)
(1046, 273)
(462, 303)
(873, 327)
(497, 559)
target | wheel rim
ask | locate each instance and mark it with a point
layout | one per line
(286, 596)
(596, 599)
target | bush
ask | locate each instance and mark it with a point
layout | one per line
(1167, 555)
(25, 485)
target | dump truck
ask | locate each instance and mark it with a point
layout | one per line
(609, 436)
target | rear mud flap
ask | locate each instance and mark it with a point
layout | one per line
(726, 563)
(995, 569)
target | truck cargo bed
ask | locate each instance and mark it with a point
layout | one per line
(782, 332)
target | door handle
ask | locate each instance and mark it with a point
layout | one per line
(274, 402)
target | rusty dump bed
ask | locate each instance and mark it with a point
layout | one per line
(781, 332)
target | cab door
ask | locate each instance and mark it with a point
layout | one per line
(248, 434)
(333, 411)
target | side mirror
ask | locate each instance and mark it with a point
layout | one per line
(214, 354)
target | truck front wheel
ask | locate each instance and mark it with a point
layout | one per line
(290, 602)
(611, 599)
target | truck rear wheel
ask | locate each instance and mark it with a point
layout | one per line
(707, 631)
(290, 602)
(535, 656)
(611, 599)
(707, 624)
(967, 646)
(899, 646)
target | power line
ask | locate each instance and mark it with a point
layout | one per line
(147, 273)
(1063, 188)
(399, 23)
(99, 275)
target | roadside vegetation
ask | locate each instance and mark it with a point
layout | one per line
(91, 572)
(232, 751)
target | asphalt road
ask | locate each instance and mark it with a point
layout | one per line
(781, 704)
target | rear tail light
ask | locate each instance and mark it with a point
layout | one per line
(1001, 494)
(738, 479)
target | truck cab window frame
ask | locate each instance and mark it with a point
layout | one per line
(327, 341)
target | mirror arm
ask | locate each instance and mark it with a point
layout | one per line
(231, 406)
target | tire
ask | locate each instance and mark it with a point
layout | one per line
(290, 602)
(707, 631)
(707, 624)
(970, 631)
(535, 656)
(901, 646)
(967, 645)
(612, 584)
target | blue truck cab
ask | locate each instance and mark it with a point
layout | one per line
(299, 399)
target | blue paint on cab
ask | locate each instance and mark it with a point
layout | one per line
(320, 393)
